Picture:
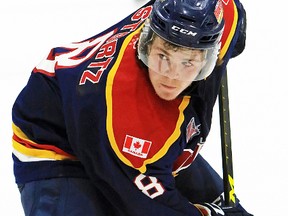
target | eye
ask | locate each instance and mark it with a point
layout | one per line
(163, 57)
(187, 63)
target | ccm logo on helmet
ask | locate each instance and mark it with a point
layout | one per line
(183, 31)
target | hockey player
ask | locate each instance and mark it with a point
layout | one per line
(112, 125)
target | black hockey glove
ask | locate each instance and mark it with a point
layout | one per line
(210, 209)
(235, 212)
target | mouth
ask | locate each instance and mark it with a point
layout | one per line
(167, 87)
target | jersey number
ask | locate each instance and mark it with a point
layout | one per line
(149, 185)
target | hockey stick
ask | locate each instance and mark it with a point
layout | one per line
(227, 163)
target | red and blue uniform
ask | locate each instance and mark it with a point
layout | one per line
(89, 111)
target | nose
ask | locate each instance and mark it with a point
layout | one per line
(171, 71)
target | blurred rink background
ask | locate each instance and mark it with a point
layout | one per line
(257, 89)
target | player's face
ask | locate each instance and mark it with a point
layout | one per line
(172, 69)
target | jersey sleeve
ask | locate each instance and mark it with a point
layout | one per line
(234, 34)
(241, 41)
(38, 122)
(39, 130)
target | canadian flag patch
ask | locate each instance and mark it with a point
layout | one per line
(136, 146)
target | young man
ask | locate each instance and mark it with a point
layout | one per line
(111, 125)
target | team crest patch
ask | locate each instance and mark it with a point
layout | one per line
(136, 146)
(192, 130)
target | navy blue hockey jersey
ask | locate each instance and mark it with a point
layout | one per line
(89, 111)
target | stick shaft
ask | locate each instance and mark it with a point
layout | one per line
(226, 146)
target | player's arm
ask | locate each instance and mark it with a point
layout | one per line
(241, 41)
(38, 122)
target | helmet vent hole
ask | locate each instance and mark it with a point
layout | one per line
(208, 22)
(166, 10)
(209, 39)
(189, 19)
(160, 23)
